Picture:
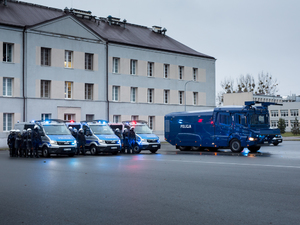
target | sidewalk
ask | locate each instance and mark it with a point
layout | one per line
(292, 138)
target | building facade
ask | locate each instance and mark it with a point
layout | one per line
(69, 64)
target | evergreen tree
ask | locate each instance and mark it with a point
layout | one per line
(296, 129)
(281, 125)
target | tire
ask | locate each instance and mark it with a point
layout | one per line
(93, 150)
(254, 148)
(115, 153)
(275, 143)
(235, 146)
(212, 149)
(71, 155)
(195, 148)
(153, 150)
(45, 152)
(136, 149)
(184, 148)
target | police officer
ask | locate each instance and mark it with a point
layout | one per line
(118, 133)
(18, 143)
(75, 134)
(125, 141)
(36, 140)
(24, 144)
(11, 142)
(29, 142)
(131, 139)
(81, 141)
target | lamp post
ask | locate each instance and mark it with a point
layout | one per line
(185, 93)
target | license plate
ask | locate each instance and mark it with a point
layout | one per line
(67, 149)
(114, 147)
(153, 146)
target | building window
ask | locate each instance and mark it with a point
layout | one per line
(166, 96)
(46, 56)
(68, 90)
(150, 69)
(115, 93)
(293, 122)
(69, 117)
(7, 52)
(180, 97)
(88, 61)
(195, 98)
(151, 122)
(45, 116)
(180, 72)
(68, 59)
(133, 66)
(294, 112)
(284, 113)
(195, 74)
(7, 121)
(274, 123)
(133, 93)
(134, 117)
(45, 88)
(166, 70)
(150, 95)
(89, 91)
(116, 62)
(286, 123)
(7, 86)
(116, 118)
(89, 117)
(274, 113)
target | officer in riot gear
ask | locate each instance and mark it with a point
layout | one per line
(11, 142)
(36, 140)
(131, 139)
(29, 142)
(81, 142)
(125, 141)
(18, 143)
(24, 144)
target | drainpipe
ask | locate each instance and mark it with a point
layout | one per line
(107, 99)
(23, 75)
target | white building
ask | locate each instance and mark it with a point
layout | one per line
(69, 64)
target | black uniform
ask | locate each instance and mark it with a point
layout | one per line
(11, 143)
(18, 144)
(36, 140)
(24, 145)
(131, 140)
(125, 141)
(81, 142)
(29, 142)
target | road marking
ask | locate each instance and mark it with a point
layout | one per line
(223, 163)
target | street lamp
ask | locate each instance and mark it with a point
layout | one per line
(185, 93)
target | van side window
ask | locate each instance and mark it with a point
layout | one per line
(224, 118)
(241, 119)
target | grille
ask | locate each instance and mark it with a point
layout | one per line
(63, 142)
(111, 141)
(152, 140)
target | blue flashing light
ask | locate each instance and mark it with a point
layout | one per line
(32, 121)
(180, 121)
(47, 121)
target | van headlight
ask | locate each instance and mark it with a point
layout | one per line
(144, 140)
(53, 142)
(101, 141)
(252, 139)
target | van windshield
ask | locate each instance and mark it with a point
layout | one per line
(101, 129)
(259, 119)
(142, 129)
(56, 129)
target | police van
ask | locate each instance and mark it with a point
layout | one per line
(56, 138)
(234, 127)
(100, 137)
(146, 140)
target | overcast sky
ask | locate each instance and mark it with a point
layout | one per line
(245, 36)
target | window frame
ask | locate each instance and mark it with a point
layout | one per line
(180, 97)
(67, 90)
(180, 72)
(195, 74)
(150, 69)
(150, 95)
(45, 56)
(5, 52)
(68, 56)
(116, 118)
(116, 65)
(5, 86)
(88, 61)
(166, 70)
(88, 91)
(133, 94)
(6, 127)
(166, 96)
(151, 122)
(195, 98)
(133, 67)
(46, 116)
(116, 93)
(43, 88)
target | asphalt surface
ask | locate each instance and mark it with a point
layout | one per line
(170, 187)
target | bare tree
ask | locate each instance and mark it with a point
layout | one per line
(228, 85)
(266, 84)
(245, 83)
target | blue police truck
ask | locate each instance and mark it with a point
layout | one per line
(234, 127)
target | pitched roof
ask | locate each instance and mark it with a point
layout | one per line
(23, 14)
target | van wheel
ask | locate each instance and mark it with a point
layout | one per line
(136, 149)
(275, 143)
(184, 148)
(115, 153)
(254, 148)
(93, 150)
(195, 148)
(46, 152)
(235, 146)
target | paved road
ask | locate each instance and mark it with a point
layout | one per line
(169, 187)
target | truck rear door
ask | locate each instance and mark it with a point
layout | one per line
(223, 128)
